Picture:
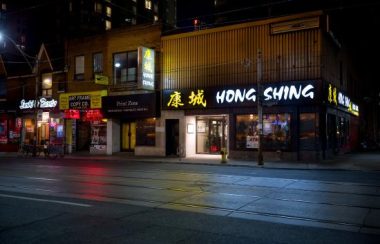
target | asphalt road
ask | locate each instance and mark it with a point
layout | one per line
(72, 201)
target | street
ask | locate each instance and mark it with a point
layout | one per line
(78, 201)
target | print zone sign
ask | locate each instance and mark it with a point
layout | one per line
(279, 94)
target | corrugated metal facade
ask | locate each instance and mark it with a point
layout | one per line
(228, 55)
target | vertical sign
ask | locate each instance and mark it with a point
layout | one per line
(146, 68)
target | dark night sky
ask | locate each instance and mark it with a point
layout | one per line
(356, 23)
(358, 20)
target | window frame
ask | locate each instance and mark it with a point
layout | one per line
(101, 64)
(286, 146)
(146, 132)
(47, 92)
(117, 79)
(79, 75)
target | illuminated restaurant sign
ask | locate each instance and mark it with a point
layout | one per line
(41, 103)
(300, 92)
(339, 99)
(146, 79)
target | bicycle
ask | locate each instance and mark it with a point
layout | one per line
(53, 151)
(26, 150)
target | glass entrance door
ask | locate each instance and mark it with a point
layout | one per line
(211, 135)
(128, 136)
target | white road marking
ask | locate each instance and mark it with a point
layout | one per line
(41, 178)
(46, 200)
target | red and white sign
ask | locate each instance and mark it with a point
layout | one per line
(71, 114)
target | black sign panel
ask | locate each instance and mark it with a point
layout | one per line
(337, 98)
(244, 96)
(80, 102)
(131, 106)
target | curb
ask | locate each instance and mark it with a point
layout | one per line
(183, 161)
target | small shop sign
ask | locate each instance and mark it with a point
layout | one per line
(339, 99)
(41, 103)
(131, 106)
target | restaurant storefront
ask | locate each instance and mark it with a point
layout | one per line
(10, 128)
(85, 126)
(49, 126)
(132, 122)
(210, 119)
(342, 134)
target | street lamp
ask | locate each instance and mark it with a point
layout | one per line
(33, 71)
(117, 65)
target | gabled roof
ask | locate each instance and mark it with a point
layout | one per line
(13, 63)
(43, 60)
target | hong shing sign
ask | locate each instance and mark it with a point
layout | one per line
(281, 94)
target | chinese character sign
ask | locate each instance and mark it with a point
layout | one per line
(175, 100)
(146, 67)
(197, 98)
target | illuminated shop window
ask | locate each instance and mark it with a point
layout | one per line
(47, 84)
(276, 131)
(109, 11)
(146, 132)
(108, 25)
(148, 4)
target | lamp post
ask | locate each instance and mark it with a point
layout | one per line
(35, 72)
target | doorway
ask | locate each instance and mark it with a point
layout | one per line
(128, 136)
(172, 137)
(83, 135)
(211, 135)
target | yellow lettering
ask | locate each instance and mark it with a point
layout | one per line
(334, 96)
(197, 99)
(329, 97)
(175, 100)
(147, 54)
(148, 67)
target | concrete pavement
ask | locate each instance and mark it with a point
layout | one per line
(353, 161)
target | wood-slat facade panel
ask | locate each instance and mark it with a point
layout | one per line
(228, 56)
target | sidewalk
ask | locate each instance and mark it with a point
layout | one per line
(352, 161)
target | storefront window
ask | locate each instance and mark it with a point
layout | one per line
(307, 137)
(98, 134)
(276, 131)
(56, 131)
(146, 132)
(343, 131)
(29, 131)
(3, 131)
(14, 130)
(246, 131)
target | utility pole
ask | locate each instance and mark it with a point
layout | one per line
(259, 108)
(35, 136)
